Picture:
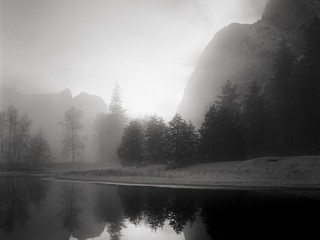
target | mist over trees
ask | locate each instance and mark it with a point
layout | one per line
(17, 145)
(281, 118)
(278, 118)
(72, 142)
(109, 128)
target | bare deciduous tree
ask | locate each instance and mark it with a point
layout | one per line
(72, 124)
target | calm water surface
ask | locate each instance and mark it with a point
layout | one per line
(31, 208)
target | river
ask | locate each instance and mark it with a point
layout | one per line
(32, 208)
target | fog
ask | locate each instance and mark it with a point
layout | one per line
(149, 47)
(159, 119)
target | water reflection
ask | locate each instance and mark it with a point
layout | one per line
(16, 195)
(35, 209)
(156, 206)
(107, 210)
(70, 210)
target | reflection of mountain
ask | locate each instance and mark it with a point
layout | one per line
(46, 111)
(243, 53)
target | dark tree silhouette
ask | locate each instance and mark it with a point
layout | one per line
(222, 136)
(308, 76)
(131, 150)
(182, 140)
(156, 142)
(285, 108)
(257, 122)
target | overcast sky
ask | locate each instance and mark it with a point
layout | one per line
(150, 47)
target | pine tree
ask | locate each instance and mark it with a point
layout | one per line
(115, 105)
(228, 98)
(156, 142)
(308, 79)
(256, 121)
(109, 129)
(131, 150)
(181, 141)
(222, 131)
(285, 105)
(207, 133)
(193, 141)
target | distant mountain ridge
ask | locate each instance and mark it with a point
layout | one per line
(47, 110)
(244, 53)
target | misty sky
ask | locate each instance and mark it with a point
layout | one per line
(149, 46)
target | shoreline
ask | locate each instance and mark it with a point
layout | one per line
(214, 186)
(165, 183)
(300, 173)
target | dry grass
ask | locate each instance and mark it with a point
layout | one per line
(280, 172)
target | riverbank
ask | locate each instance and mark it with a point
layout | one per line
(289, 172)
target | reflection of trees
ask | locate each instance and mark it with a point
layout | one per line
(16, 194)
(182, 209)
(156, 209)
(132, 203)
(114, 230)
(108, 210)
(70, 211)
(155, 206)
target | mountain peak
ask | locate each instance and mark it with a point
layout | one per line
(66, 93)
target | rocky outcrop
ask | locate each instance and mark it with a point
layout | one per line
(244, 53)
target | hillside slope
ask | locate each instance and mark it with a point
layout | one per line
(244, 53)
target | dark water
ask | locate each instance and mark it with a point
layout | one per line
(31, 208)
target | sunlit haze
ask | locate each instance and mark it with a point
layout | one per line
(150, 47)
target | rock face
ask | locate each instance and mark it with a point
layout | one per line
(47, 110)
(244, 53)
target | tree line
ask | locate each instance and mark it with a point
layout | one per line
(157, 142)
(281, 118)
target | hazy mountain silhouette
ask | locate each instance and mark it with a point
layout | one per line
(47, 110)
(244, 53)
